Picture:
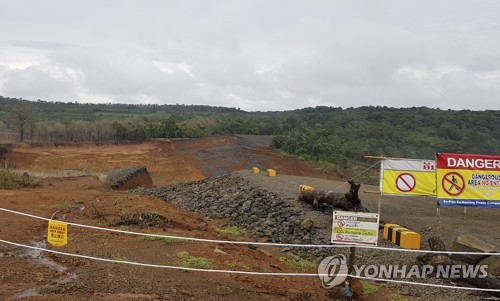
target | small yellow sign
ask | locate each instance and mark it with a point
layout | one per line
(58, 233)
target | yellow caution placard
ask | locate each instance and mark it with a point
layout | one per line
(407, 177)
(255, 170)
(271, 173)
(57, 233)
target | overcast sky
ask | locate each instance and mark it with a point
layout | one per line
(255, 55)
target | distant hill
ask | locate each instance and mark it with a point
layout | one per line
(329, 136)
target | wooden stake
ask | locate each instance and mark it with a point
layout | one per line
(465, 212)
(372, 191)
(352, 256)
(438, 212)
(379, 203)
(350, 268)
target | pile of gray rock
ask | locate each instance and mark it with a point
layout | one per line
(253, 208)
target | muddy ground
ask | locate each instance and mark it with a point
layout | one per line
(31, 275)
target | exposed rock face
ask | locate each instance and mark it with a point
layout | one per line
(129, 178)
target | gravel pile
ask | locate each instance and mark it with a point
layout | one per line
(253, 208)
(285, 220)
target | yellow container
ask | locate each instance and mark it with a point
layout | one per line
(407, 239)
(388, 228)
(402, 237)
(303, 188)
(255, 170)
(392, 232)
(271, 172)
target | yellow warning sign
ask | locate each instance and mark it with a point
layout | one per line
(58, 233)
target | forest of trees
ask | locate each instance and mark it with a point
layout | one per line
(321, 134)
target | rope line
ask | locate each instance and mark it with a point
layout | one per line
(356, 176)
(427, 284)
(238, 272)
(250, 242)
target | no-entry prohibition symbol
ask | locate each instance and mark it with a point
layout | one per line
(339, 236)
(453, 183)
(405, 182)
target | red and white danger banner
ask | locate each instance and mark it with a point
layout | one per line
(408, 177)
(468, 180)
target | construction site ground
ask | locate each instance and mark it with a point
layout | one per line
(70, 189)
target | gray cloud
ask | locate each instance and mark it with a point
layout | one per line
(257, 55)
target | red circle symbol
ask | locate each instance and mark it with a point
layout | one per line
(453, 183)
(405, 182)
(340, 236)
(341, 223)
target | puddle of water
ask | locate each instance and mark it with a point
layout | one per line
(39, 258)
(32, 292)
(66, 278)
(37, 255)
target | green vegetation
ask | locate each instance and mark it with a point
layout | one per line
(330, 138)
(9, 180)
(16, 179)
(223, 290)
(195, 262)
(369, 288)
(143, 220)
(237, 266)
(301, 264)
(231, 230)
(164, 239)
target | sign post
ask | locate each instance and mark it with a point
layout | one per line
(354, 228)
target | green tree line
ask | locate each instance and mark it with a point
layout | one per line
(320, 134)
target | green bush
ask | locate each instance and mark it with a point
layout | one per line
(231, 230)
(9, 180)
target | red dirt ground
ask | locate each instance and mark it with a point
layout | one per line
(28, 275)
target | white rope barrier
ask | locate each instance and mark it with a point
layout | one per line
(428, 284)
(249, 242)
(356, 176)
(160, 266)
(238, 272)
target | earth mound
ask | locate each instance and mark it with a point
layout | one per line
(129, 178)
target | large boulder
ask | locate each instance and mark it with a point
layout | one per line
(469, 243)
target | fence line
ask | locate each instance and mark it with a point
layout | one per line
(239, 272)
(248, 242)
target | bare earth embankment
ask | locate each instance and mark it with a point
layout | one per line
(194, 210)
